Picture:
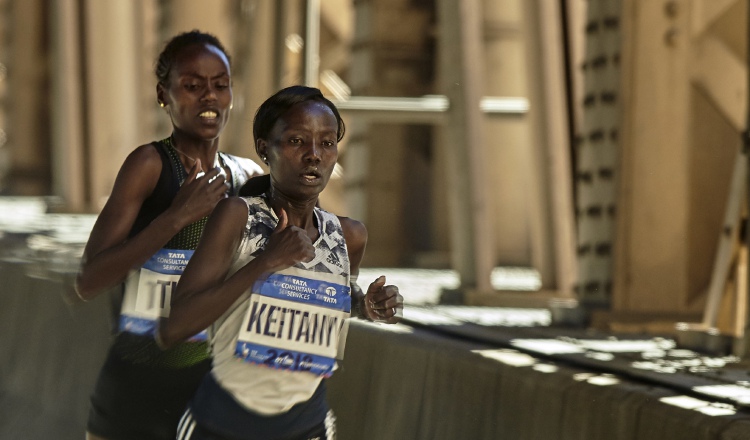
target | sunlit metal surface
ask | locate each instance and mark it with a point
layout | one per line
(312, 46)
(335, 84)
(546, 368)
(45, 246)
(582, 377)
(604, 380)
(702, 406)
(730, 391)
(597, 379)
(425, 286)
(515, 106)
(667, 364)
(508, 357)
(482, 316)
(686, 402)
(547, 346)
(295, 43)
(600, 356)
(21, 214)
(717, 409)
(338, 172)
(625, 345)
(430, 103)
(498, 316)
(428, 317)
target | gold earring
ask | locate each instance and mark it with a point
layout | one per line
(161, 104)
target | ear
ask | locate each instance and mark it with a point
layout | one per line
(161, 94)
(261, 148)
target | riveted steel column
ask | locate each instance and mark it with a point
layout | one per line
(597, 149)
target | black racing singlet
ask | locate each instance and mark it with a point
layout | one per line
(139, 349)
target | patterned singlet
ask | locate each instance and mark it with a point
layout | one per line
(275, 344)
(140, 348)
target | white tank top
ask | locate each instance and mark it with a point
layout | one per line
(275, 344)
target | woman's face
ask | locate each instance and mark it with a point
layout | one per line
(302, 149)
(199, 93)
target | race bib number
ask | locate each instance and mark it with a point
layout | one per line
(148, 292)
(296, 323)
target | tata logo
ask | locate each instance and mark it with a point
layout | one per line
(331, 291)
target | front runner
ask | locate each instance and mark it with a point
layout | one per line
(274, 277)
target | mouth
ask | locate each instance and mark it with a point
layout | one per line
(311, 175)
(209, 115)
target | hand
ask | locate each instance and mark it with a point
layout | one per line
(198, 196)
(383, 303)
(288, 245)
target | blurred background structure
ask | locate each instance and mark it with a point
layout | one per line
(482, 133)
(436, 96)
(592, 146)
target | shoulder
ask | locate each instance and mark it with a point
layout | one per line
(243, 207)
(146, 152)
(139, 173)
(355, 233)
(231, 206)
(230, 213)
(143, 159)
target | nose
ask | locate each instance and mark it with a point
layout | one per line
(313, 152)
(209, 94)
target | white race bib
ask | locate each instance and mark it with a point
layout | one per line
(148, 292)
(297, 320)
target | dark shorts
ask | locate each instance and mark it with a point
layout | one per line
(214, 414)
(192, 431)
(137, 402)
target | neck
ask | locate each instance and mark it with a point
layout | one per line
(194, 149)
(299, 212)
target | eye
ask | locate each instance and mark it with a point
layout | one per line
(329, 144)
(192, 86)
(295, 141)
(222, 86)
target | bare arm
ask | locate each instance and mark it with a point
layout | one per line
(204, 292)
(355, 235)
(380, 302)
(109, 254)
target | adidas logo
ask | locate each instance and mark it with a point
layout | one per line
(334, 259)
